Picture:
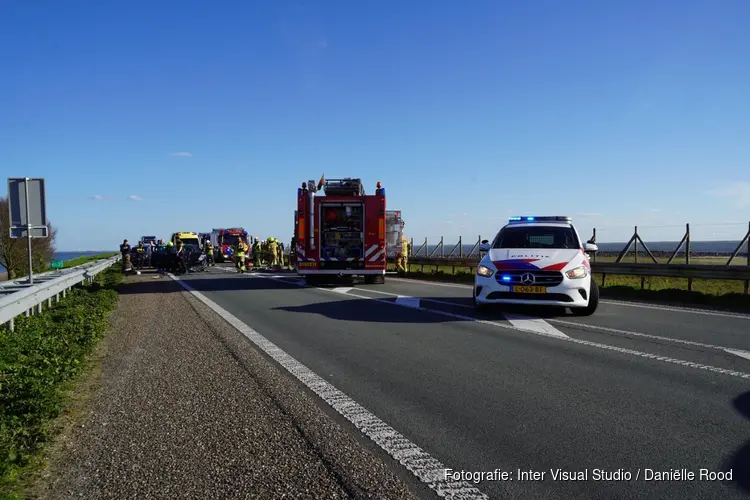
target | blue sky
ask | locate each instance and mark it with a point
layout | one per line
(210, 114)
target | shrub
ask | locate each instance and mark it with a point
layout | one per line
(45, 352)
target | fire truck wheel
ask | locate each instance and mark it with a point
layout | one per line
(374, 279)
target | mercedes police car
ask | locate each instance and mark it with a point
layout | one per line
(540, 261)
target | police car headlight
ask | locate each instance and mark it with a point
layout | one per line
(577, 273)
(485, 271)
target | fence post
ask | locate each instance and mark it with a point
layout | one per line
(635, 244)
(593, 241)
(687, 243)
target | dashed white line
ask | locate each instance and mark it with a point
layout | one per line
(584, 326)
(622, 350)
(659, 307)
(341, 289)
(420, 463)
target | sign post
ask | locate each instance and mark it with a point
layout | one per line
(28, 212)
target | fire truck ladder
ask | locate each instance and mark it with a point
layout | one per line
(344, 187)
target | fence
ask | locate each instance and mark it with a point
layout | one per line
(25, 299)
(423, 257)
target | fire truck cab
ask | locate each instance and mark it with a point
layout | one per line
(223, 241)
(340, 232)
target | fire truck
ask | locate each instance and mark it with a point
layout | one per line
(224, 239)
(340, 232)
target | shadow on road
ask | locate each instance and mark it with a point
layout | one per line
(151, 282)
(739, 462)
(368, 311)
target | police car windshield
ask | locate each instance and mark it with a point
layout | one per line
(537, 237)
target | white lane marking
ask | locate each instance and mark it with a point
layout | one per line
(403, 300)
(584, 326)
(622, 350)
(738, 352)
(530, 324)
(435, 283)
(340, 289)
(521, 322)
(417, 461)
(693, 310)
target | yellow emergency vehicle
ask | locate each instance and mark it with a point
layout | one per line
(187, 237)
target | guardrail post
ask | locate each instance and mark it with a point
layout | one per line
(40, 307)
(49, 302)
(12, 324)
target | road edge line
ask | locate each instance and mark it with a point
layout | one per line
(426, 468)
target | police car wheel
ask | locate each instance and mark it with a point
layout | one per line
(593, 302)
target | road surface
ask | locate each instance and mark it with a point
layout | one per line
(632, 389)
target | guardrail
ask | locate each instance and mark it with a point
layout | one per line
(24, 298)
(687, 271)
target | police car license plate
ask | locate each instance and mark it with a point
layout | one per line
(530, 289)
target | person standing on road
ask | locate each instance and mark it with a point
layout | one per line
(209, 253)
(239, 255)
(125, 251)
(256, 253)
(402, 259)
(141, 252)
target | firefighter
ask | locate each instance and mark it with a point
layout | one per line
(256, 253)
(275, 252)
(210, 253)
(239, 255)
(403, 256)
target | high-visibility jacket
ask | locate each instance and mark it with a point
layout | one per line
(240, 248)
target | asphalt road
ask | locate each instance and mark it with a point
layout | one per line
(632, 388)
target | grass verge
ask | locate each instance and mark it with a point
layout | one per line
(39, 364)
(724, 294)
(86, 258)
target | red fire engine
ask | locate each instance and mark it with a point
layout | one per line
(341, 232)
(224, 239)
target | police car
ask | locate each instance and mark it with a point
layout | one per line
(539, 261)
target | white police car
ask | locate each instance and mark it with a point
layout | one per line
(539, 261)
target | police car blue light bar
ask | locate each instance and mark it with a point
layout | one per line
(550, 218)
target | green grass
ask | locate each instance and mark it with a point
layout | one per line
(86, 258)
(39, 363)
(718, 293)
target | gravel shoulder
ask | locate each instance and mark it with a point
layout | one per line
(184, 407)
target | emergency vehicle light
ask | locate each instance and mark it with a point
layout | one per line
(552, 218)
(505, 278)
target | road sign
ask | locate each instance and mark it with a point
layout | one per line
(56, 264)
(28, 207)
